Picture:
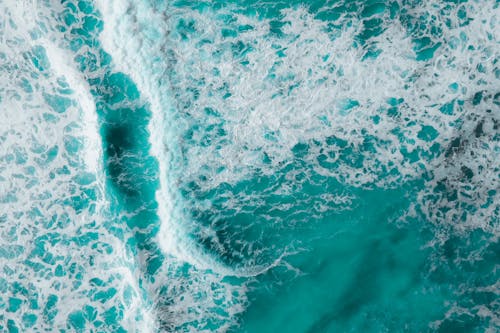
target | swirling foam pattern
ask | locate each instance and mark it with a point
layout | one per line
(249, 166)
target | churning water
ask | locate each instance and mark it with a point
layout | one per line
(249, 166)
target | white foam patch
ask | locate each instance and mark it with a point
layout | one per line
(52, 186)
(66, 68)
(301, 97)
(312, 83)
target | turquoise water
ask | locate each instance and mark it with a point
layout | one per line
(249, 166)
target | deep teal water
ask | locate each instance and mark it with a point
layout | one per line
(249, 166)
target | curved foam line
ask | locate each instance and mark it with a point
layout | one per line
(173, 237)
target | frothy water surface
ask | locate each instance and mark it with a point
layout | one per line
(249, 166)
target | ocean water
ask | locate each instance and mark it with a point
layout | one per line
(249, 166)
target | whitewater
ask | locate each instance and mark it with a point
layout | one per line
(249, 166)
